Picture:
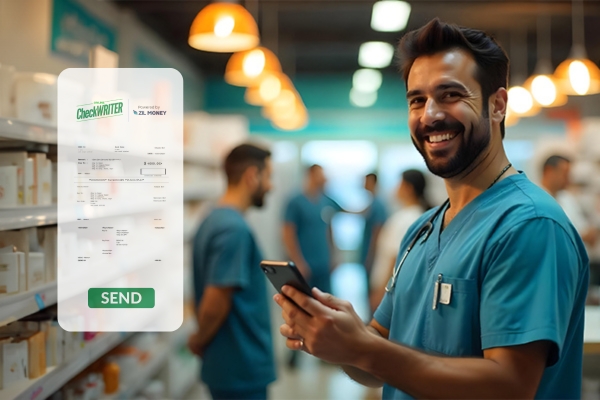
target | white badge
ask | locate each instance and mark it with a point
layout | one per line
(446, 292)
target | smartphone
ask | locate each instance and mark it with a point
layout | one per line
(285, 273)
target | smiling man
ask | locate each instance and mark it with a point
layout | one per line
(488, 293)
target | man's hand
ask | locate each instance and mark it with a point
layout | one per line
(194, 344)
(328, 326)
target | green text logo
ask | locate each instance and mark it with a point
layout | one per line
(99, 109)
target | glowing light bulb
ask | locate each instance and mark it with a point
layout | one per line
(543, 90)
(579, 76)
(519, 100)
(254, 63)
(269, 88)
(224, 26)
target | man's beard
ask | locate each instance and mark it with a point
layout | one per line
(258, 197)
(468, 151)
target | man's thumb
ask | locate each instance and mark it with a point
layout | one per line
(328, 299)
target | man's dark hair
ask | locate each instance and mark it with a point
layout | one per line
(313, 168)
(554, 160)
(242, 157)
(437, 36)
(373, 176)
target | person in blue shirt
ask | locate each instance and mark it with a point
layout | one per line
(487, 298)
(234, 329)
(375, 215)
(307, 235)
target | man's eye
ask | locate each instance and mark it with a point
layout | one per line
(451, 95)
(415, 101)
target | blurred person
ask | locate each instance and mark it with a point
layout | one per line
(488, 297)
(375, 216)
(556, 179)
(307, 235)
(411, 195)
(234, 330)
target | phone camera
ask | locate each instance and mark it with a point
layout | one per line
(268, 270)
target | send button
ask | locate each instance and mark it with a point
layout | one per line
(121, 298)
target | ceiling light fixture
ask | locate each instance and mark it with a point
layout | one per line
(362, 99)
(375, 54)
(577, 75)
(223, 28)
(390, 15)
(367, 80)
(250, 67)
(542, 84)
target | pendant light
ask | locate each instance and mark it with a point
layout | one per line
(223, 28)
(577, 75)
(268, 89)
(250, 67)
(542, 85)
(520, 100)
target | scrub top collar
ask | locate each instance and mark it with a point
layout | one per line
(441, 237)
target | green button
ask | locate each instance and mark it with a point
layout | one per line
(121, 298)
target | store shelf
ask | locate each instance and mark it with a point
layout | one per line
(17, 306)
(19, 130)
(27, 216)
(56, 377)
(144, 373)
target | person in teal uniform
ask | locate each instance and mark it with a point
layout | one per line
(307, 235)
(375, 215)
(487, 297)
(234, 330)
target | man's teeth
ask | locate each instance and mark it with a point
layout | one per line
(441, 138)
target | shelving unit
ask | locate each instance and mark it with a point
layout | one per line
(144, 374)
(15, 307)
(56, 377)
(27, 216)
(14, 129)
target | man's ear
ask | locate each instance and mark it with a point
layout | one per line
(250, 176)
(498, 105)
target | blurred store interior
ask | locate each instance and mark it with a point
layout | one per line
(345, 110)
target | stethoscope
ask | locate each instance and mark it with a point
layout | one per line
(425, 229)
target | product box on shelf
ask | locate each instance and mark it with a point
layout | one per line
(36, 349)
(48, 241)
(36, 270)
(30, 185)
(17, 159)
(54, 344)
(7, 73)
(46, 185)
(14, 361)
(12, 263)
(20, 240)
(39, 160)
(35, 98)
(9, 186)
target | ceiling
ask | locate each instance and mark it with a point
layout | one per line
(323, 36)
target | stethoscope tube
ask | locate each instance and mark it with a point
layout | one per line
(426, 229)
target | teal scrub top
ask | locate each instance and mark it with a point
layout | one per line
(240, 357)
(312, 218)
(519, 273)
(375, 216)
